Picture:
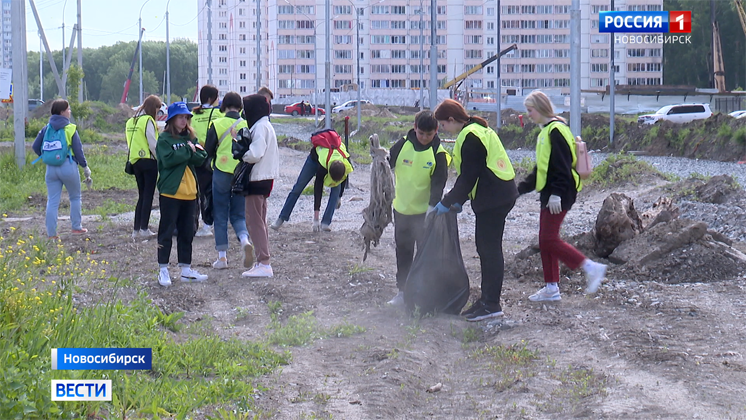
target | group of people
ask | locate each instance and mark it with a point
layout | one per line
(192, 161)
(485, 176)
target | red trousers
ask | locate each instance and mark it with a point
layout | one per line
(553, 248)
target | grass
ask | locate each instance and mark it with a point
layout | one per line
(303, 329)
(621, 168)
(18, 184)
(39, 313)
(109, 208)
(510, 364)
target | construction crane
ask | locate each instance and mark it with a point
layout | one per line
(460, 78)
(132, 70)
(717, 51)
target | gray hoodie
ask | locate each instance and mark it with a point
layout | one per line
(57, 122)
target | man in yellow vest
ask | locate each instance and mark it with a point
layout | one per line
(420, 167)
(227, 206)
(203, 116)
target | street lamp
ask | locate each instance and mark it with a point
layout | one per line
(139, 24)
(357, 43)
(422, 53)
(168, 60)
(63, 38)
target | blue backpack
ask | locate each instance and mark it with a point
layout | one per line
(54, 149)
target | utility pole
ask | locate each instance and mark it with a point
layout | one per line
(258, 44)
(357, 36)
(63, 35)
(41, 69)
(140, 49)
(328, 66)
(499, 96)
(20, 79)
(209, 42)
(422, 57)
(168, 60)
(60, 83)
(433, 55)
(80, 50)
(612, 85)
(575, 67)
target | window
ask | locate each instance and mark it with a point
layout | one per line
(528, 10)
(342, 68)
(600, 8)
(398, 24)
(561, 39)
(473, 10)
(490, 40)
(441, 68)
(242, 63)
(285, 69)
(510, 10)
(543, 39)
(380, 39)
(635, 67)
(653, 66)
(223, 59)
(562, 10)
(223, 25)
(544, 24)
(304, 10)
(528, 53)
(281, 54)
(528, 24)
(379, 24)
(528, 83)
(285, 39)
(599, 67)
(223, 37)
(380, 68)
(543, 53)
(242, 89)
(342, 24)
(473, 24)
(528, 39)
(473, 39)
(490, 26)
(342, 39)
(561, 68)
(398, 39)
(223, 71)
(599, 82)
(306, 53)
(304, 24)
(305, 39)
(441, 25)
(561, 82)
(510, 24)
(398, 10)
(440, 10)
(599, 53)
(543, 10)
(242, 37)
(242, 50)
(342, 10)
(528, 68)
(544, 68)
(223, 48)
(561, 53)
(561, 24)
(398, 68)
(636, 52)
(510, 39)
(379, 10)
(343, 54)
(375, 54)
(285, 24)
(473, 54)
(398, 54)
(242, 76)
(654, 52)
(599, 39)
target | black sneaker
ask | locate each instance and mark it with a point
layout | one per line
(474, 306)
(485, 312)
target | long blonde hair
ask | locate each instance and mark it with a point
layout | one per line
(539, 101)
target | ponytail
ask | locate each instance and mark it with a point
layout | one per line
(479, 120)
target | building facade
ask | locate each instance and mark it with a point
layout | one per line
(7, 36)
(391, 40)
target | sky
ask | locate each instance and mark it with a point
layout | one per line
(106, 22)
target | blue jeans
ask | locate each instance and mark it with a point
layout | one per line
(307, 173)
(226, 206)
(67, 174)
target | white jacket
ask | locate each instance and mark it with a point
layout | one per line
(263, 152)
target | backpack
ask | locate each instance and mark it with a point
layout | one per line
(328, 139)
(54, 148)
(583, 165)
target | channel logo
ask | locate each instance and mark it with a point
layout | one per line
(645, 22)
(81, 390)
(102, 359)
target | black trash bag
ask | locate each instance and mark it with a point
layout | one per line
(438, 281)
(239, 147)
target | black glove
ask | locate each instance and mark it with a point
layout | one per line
(241, 144)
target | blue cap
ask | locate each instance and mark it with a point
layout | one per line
(178, 108)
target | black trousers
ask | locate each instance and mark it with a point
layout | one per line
(179, 215)
(204, 179)
(408, 231)
(146, 175)
(489, 228)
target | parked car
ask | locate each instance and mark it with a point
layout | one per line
(349, 105)
(295, 109)
(738, 114)
(682, 113)
(34, 103)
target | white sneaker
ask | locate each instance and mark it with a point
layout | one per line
(190, 275)
(316, 226)
(205, 230)
(277, 224)
(135, 234)
(326, 228)
(259, 270)
(220, 263)
(545, 295)
(248, 255)
(397, 300)
(164, 279)
(594, 275)
(147, 233)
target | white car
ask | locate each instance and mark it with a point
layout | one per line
(682, 113)
(349, 105)
(738, 114)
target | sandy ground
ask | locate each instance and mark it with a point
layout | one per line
(636, 349)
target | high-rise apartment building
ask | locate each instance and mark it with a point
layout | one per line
(7, 36)
(389, 37)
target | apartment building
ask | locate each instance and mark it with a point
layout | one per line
(7, 45)
(390, 40)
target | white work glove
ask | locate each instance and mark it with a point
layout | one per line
(555, 204)
(87, 171)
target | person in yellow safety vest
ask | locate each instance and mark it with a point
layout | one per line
(555, 179)
(203, 115)
(329, 171)
(227, 206)
(141, 133)
(420, 166)
(67, 174)
(486, 177)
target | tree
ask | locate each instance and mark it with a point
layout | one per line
(112, 84)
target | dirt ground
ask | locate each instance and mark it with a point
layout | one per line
(642, 347)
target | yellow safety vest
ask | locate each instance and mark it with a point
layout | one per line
(324, 153)
(201, 122)
(224, 155)
(137, 141)
(544, 151)
(497, 159)
(414, 170)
